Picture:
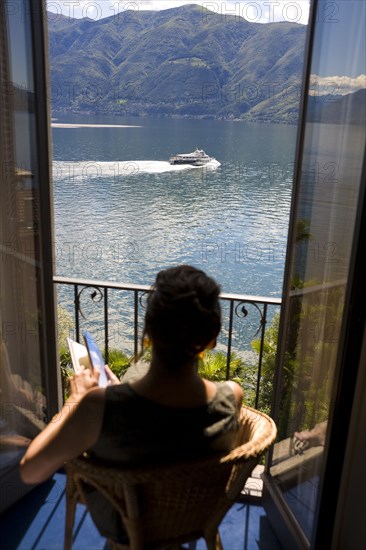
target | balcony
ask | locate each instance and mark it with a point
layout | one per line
(114, 312)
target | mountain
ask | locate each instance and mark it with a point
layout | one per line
(182, 61)
(335, 109)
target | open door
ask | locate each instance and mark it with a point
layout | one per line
(28, 368)
(322, 318)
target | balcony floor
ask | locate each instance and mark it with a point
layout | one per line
(37, 522)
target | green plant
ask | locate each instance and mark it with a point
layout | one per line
(118, 361)
(213, 366)
(307, 367)
(269, 354)
(65, 326)
(268, 363)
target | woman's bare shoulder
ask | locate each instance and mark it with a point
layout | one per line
(237, 391)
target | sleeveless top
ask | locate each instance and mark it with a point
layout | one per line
(137, 430)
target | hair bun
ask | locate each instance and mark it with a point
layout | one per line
(183, 311)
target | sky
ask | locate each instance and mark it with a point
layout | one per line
(255, 11)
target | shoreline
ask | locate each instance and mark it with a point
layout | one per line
(71, 125)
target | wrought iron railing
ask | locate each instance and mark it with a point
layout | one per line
(235, 308)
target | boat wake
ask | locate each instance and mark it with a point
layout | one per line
(93, 169)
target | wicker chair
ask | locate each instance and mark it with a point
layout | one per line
(165, 506)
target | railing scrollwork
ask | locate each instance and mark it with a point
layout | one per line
(239, 307)
(241, 311)
(96, 296)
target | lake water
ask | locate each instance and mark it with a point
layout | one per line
(122, 212)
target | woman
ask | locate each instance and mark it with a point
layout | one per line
(171, 412)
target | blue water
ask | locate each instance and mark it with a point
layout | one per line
(122, 212)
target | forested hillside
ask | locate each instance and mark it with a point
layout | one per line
(177, 62)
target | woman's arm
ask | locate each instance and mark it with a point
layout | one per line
(72, 431)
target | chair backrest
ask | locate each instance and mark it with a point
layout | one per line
(180, 502)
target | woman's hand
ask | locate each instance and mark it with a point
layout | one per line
(113, 379)
(82, 382)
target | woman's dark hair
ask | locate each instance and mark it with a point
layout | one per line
(183, 311)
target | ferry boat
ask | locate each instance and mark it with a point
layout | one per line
(197, 158)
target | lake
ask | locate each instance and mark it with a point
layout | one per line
(122, 212)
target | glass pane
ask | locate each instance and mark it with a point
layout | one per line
(23, 402)
(334, 143)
